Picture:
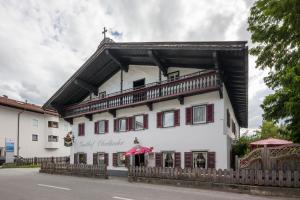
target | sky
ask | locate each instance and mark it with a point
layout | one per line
(42, 43)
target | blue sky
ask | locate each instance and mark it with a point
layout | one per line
(44, 42)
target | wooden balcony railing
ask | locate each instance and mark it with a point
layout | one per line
(183, 86)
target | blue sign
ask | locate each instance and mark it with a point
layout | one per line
(9, 147)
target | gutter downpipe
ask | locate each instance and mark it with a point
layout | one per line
(18, 135)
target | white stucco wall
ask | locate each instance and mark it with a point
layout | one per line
(29, 148)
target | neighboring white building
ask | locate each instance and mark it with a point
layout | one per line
(41, 132)
(187, 100)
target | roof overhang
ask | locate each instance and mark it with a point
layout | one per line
(230, 58)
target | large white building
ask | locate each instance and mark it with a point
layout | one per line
(37, 132)
(186, 100)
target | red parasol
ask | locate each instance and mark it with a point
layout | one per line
(138, 150)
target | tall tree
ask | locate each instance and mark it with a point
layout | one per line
(275, 28)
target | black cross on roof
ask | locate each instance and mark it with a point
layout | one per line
(104, 32)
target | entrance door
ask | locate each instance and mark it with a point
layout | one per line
(101, 159)
(140, 95)
(139, 160)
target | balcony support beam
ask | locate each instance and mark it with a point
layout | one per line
(156, 60)
(89, 117)
(150, 106)
(219, 73)
(181, 100)
(113, 112)
(87, 86)
(117, 61)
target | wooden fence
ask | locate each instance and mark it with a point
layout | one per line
(285, 157)
(40, 160)
(97, 171)
(244, 177)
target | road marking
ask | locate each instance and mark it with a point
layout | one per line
(122, 198)
(51, 186)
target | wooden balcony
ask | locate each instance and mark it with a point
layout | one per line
(196, 83)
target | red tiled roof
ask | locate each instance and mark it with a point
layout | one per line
(5, 101)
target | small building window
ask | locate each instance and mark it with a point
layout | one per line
(121, 159)
(82, 158)
(139, 122)
(168, 119)
(101, 125)
(34, 137)
(233, 128)
(200, 160)
(122, 124)
(102, 95)
(52, 124)
(199, 114)
(228, 118)
(173, 76)
(35, 122)
(52, 138)
(168, 159)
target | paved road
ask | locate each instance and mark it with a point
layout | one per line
(28, 184)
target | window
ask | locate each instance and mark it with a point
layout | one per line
(82, 158)
(200, 160)
(233, 128)
(121, 159)
(122, 124)
(168, 159)
(199, 114)
(81, 129)
(139, 83)
(173, 76)
(52, 138)
(138, 122)
(34, 137)
(102, 95)
(101, 125)
(52, 124)
(228, 118)
(101, 158)
(168, 119)
(35, 123)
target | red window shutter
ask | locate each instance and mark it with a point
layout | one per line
(95, 159)
(130, 123)
(116, 125)
(159, 120)
(178, 159)
(211, 160)
(210, 113)
(96, 128)
(79, 129)
(177, 117)
(146, 121)
(158, 159)
(127, 163)
(83, 129)
(188, 115)
(115, 159)
(228, 118)
(75, 158)
(106, 159)
(106, 126)
(188, 159)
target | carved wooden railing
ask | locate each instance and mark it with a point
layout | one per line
(185, 85)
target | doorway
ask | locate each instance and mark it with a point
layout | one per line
(139, 160)
(141, 94)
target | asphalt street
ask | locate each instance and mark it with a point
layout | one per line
(29, 184)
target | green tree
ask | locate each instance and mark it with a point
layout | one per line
(275, 28)
(268, 129)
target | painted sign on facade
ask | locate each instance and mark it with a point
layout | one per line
(9, 145)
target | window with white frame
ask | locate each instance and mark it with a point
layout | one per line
(138, 122)
(122, 124)
(121, 159)
(199, 114)
(200, 159)
(34, 137)
(52, 124)
(101, 125)
(173, 76)
(100, 158)
(168, 119)
(52, 138)
(168, 159)
(35, 122)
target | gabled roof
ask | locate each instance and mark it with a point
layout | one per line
(5, 101)
(232, 60)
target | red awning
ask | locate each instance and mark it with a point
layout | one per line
(138, 150)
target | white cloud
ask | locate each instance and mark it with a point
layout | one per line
(44, 42)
